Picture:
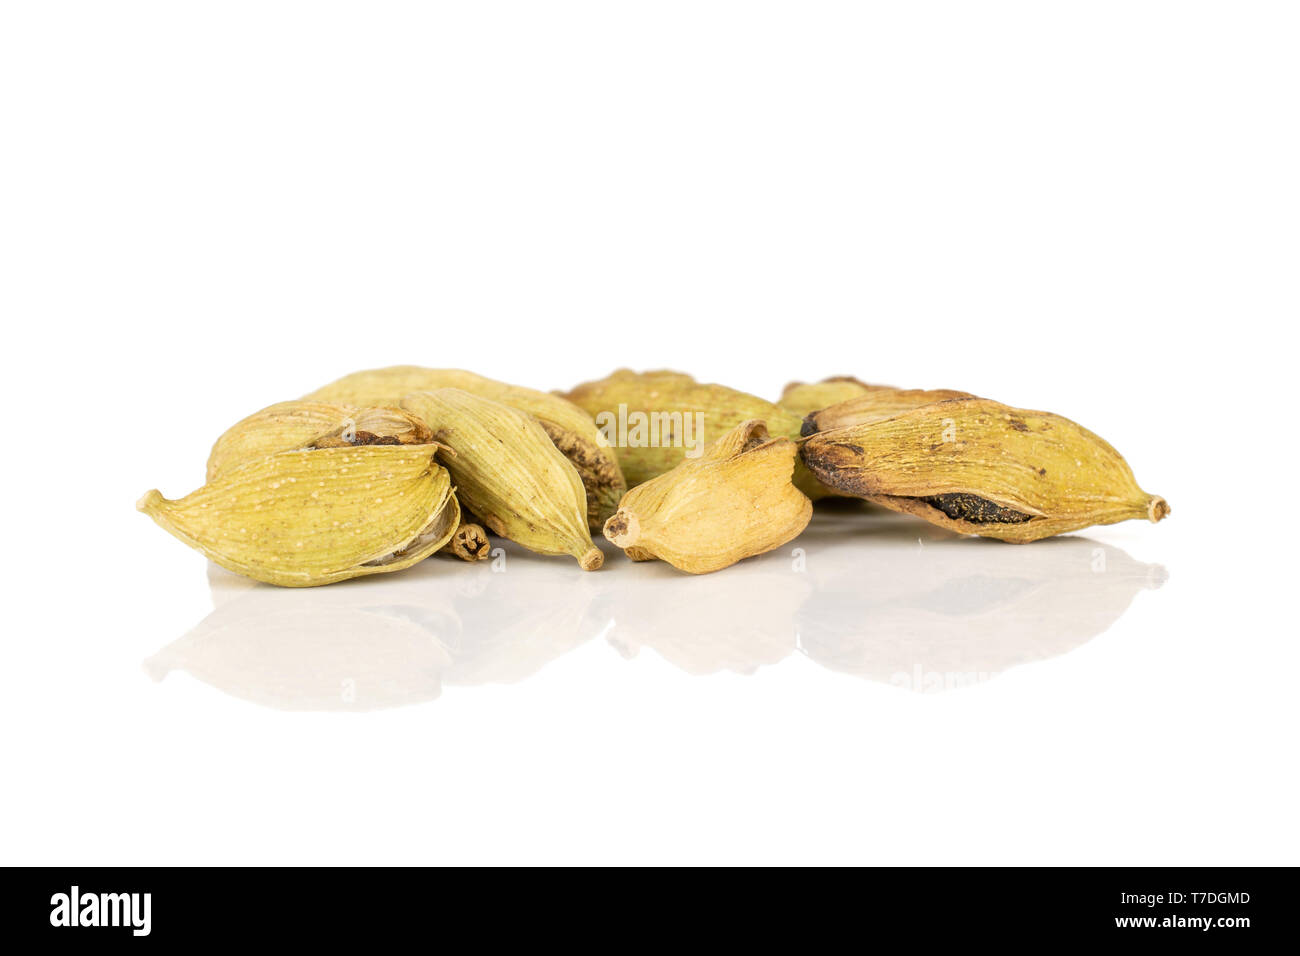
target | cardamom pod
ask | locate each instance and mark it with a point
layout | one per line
(570, 428)
(657, 419)
(734, 501)
(979, 467)
(804, 398)
(289, 425)
(877, 402)
(508, 473)
(307, 517)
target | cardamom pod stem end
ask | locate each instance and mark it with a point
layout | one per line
(1157, 508)
(592, 559)
(469, 543)
(623, 529)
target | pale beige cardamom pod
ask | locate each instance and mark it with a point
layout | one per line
(509, 474)
(655, 418)
(876, 402)
(298, 424)
(569, 427)
(314, 516)
(979, 467)
(734, 501)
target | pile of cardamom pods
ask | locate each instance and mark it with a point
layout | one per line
(383, 468)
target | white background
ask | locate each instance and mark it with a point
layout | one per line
(1090, 208)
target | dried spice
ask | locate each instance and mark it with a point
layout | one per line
(509, 474)
(470, 542)
(289, 425)
(657, 419)
(979, 467)
(347, 481)
(570, 428)
(877, 401)
(735, 500)
(804, 398)
(376, 426)
(308, 517)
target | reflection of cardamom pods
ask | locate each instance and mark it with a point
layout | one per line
(734, 501)
(509, 474)
(662, 417)
(470, 542)
(712, 623)
(803, 398)
(979, 467)
(290, 425)
(938, 617)
(569, 427)
(308, 517)
(877, 402)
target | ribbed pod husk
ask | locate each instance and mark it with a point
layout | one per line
(308, 517)
(674, 398)
(297, 424)
(508, 473)
(735, 500)
(979, 467)
(876, 402)
(570, 428)
(803, 398)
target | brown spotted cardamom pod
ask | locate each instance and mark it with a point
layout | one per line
(876, 402)
(979, 467)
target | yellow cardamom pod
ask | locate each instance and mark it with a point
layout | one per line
(878, 401)
(509, 474)
(654, 419)
(307, 517)
(569, 427)
(734, 501)
(979, 467)
(804, 398)
(289, 425)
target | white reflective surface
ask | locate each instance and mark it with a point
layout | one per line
(864, 592)
(875, 691)
(1088, 209)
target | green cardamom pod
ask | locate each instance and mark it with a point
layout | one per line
(804, 398)
(289, 425)
(315, 516)
(979, 467)
(657, 419)
(570, 428)
(508, 473)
